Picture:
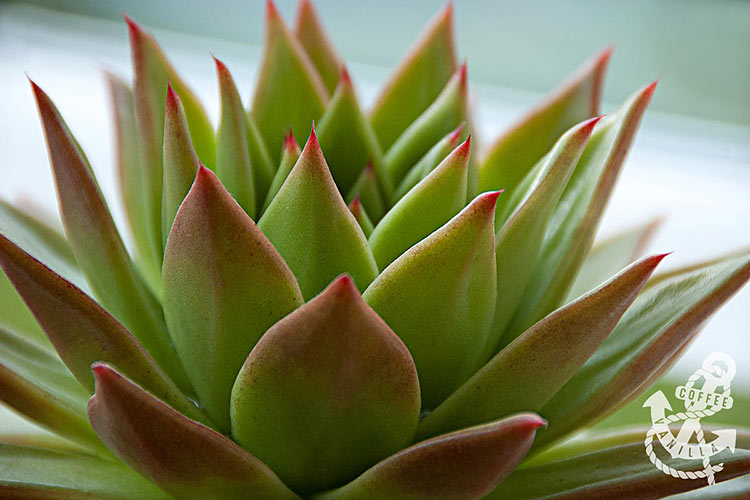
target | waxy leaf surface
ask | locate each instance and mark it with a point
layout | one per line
(288, 159)
(309, 31)
(359, 213)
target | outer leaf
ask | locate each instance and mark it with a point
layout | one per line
(519, 242)
(576, 219)
(312, 228)
(445, 113)
(663, 319)
(417, 80)
(97, 244)
(359, 213)
(180, 455)
(466, 464)
(180, 161)
(290, 91)
(151, 72)
(527, 373)
(288, 158)
(311, 35)
(328, 390)
(81, 331)
(733, 489)
(611, 255)
(439, 297)
(367, 190)
(348, 141)
(245, 287)
(33, 473)
(515, 152)
(15, 315)
(431, 203)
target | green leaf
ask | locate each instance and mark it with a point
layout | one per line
(465, 464)
(97, 245)
(245, 287)
(520, 240)
(33, 473)
(183, 457)
(81, 331)
(312, 228)
(527, 373)
(517, 150)
(309, 31)
(445, 113)
(289, 157)
(663, 319)
(575, 221)
(359, 213)
(151, 72)
(439, 297)
(180, 161)
(328, 391)
(429, 205)
(417, 80)
(611, 255)
(369, 194)
(348, 141)
(290, 92)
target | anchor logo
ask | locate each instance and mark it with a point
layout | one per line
(701, 401)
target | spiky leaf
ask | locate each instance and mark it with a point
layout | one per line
(309, 31)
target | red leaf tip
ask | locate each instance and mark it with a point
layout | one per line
(290, 143)
(345, 78)
(648, 90)
(271, 11)
(462, 75)
(135, 29)
(173, 100)
(221, 68)
(456, 134)
(102, 372)
(487, 201)
(532, 421)
(447, 13)
(605, 55)
(343, 285)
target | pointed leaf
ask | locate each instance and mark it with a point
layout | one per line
(309, 31)
(445, 113)
(428, 206)
(33, 473)
(663, 319)
(290, 92)
(466, 464)
(245, 287)
(359, 213)
(517, 150)
(347, 139)
(328, 391)
(369, 194)
(183, 457)
(81, 331)
(288, 158)
(97, 245)
(417, 80)
(439, 297)
(576, 218)
(312, 228)
(151, 72)
(527, 373)
(180, 160)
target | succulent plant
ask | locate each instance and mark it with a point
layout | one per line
(233, 356)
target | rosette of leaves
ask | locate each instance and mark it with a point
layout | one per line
(366, 318)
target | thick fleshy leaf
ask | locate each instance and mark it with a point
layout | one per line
(97, 245)
(576, 219)
(519, 241)
(309, 31)
(732, 489)
(611, 255)
(439, 297)
(313, 229)
(466, 464)
(619, 472)
(417, 80)
(359, 213)
(289, 92)
(183, 457)
(348, 141)
(28, 472)
(180, 160)
(130, 176)
(328, 391)
(432, 203)
(81, 331)
(15, 315)
(289, 157)
(663, 319)
(369, 194)
(428, 162)
(447, 111)
(245, 287)
(527, 373)
(516, 151)
(151, 72)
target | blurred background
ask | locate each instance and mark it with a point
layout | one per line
(690, 162)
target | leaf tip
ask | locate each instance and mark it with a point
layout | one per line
(343, 286)
(173, 100)
(345, 79)
(486, 202)
(456, 135)
(290, 143)
(462, 75)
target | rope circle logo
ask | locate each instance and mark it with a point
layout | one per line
(702, 399)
